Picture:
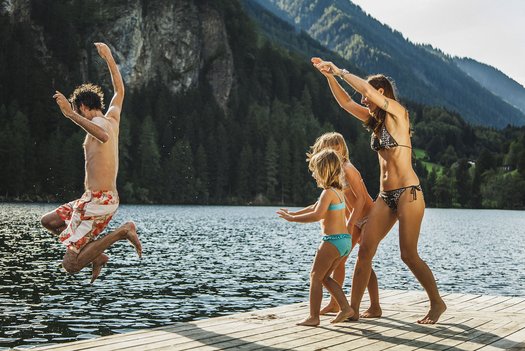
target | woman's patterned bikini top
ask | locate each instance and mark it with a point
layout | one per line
(385, 140)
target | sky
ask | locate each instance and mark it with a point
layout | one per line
(489, 31)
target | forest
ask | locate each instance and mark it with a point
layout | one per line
(184, 149)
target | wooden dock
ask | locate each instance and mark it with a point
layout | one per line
(472, 322)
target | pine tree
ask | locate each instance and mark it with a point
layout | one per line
(443, 192)
(285, 171)
(258, 173)
(462, 182)
(243, 173)
(149, 160)
(271, 163)
(17, 151)
(201, 176)
(222, 163)
(180, 173)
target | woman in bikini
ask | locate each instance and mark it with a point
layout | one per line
(400, 192)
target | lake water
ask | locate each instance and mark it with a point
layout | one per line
(202, 261)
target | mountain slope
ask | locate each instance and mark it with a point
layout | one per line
(423, 75)
(495, 81)
(283, 34)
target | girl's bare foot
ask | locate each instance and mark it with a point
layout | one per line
(372, 312)
(309, 322)
(434, 313)
(343, 315)
(355, 316)
(133, 238)
(332, 307)
(98, 264)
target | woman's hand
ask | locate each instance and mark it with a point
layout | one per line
(327, 68)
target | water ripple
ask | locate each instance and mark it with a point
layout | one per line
(202, 262)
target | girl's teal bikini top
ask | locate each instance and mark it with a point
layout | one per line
(339, 206)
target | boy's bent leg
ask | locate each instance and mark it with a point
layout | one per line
(74, 262)
(98, 263)
(52, 222)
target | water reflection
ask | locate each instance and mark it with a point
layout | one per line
(201, 262)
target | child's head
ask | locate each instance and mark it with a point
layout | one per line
(326, 169)
(333, 141)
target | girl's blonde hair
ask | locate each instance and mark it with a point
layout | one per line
(326, 169)
(331, 140)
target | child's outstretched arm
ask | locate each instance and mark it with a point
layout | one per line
(318, 213)
(302, 211)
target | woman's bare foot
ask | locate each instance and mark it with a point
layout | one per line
(309, 322)
(372, 312)
(132, 236)
(332, 307)
(434, 313)
(98, 264)
(343, 315)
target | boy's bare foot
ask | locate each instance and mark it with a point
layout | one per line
(309, 322)
(332, 307)
(133, 238)
(372, 312)
(343, 315)
(98, 264)
(434, 313)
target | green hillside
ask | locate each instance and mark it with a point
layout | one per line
(494, 80)
(422, 74)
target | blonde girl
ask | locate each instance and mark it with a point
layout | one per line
(329, 210)
(358, 204)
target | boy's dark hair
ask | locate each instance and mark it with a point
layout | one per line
(90, 95)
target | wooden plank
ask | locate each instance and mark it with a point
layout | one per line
(373, 337)
(178, 327)
(514, 340)
(495, 304)
(479, 303)
(415, 336)
(471, 322)
(483, 336)
(253, 322)
(270, 334)
(506, 304)
(223, 333)
(303, 337)
(455, 335)
(517, 307)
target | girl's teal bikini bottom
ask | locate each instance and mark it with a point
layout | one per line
(343, 242)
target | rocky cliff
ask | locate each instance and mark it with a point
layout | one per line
(175, 43)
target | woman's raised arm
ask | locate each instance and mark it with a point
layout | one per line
(341, 96)
(363, 87)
